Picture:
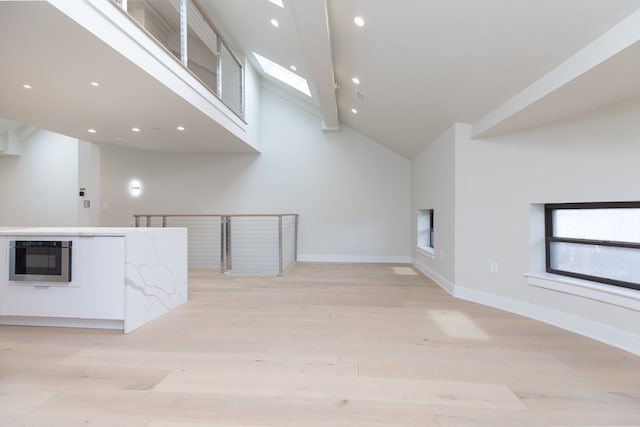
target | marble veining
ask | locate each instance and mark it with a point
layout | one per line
(147, 277)
(155, 274)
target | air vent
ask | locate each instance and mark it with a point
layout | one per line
(361, 96)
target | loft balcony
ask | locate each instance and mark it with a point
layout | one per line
(114, 66)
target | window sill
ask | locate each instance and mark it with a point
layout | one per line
(428, 252)
(628, 298)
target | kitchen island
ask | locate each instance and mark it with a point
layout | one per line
(122, 278)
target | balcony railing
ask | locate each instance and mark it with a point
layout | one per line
(239, 244)
(188, 34)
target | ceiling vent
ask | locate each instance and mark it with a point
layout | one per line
(361, 96)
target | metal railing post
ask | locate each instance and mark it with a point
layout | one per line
(295, 239)
(183, 33)
(280, 268)
(225, 244)
(223, 241)
(219, 68)
(228, 254)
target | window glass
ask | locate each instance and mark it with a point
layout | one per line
(607, 262)
(425, 229)
(619, 225)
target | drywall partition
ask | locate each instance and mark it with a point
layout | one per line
(502, 181)
(252, 105)
(433, 187)
(40, 187)
(352, 194)
(89, 184)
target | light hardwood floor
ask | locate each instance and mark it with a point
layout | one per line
(327, 345)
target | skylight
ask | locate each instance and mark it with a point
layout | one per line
(285, 76)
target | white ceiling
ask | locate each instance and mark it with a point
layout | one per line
(41, 46)
(423, 64)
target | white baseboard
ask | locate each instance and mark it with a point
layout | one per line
(356, 259)
(441, 281)
(62, 322)
(579, 325)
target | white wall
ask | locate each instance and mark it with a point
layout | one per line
(40, 187)
(499, 181)
(89, 178)
(589, 158)
(252, 105)
(433, 187)
(352, 194)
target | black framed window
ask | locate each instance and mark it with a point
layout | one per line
(594, 241)
(426, 233)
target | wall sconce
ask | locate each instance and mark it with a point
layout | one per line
(135, 188)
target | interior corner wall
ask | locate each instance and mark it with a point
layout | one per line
(89, 179)
(40, 187)
(252, 105)
(433, 187)
(352, 194)
(589, 158)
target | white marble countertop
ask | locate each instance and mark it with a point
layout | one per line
(73, 231)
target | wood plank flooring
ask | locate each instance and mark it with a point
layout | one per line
(346, 345)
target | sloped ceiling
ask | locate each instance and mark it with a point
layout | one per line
(423, 64)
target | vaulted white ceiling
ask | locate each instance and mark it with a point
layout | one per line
(422, 64)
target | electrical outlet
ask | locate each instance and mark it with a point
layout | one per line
(493, 267)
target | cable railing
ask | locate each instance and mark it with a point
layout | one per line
(186, 32)
(239, 244)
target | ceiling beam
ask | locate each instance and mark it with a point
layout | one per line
(597, 75)
(312, 25)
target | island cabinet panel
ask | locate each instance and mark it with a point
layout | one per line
(102, 263)
(121, 278)
(96, 289)
(42, 300)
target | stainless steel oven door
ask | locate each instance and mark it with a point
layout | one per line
(40, 261)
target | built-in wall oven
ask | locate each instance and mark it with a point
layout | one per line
(40, 260)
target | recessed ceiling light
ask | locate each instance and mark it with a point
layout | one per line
(120, 139)
(356, 80)
(359, 21)
(26, 86)
(277, 3)
(275, 23)
(135, 129)
(354, 111)
(95, 84)
(277, 71)
(180, 128)
(91, 130)
(294, 68)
